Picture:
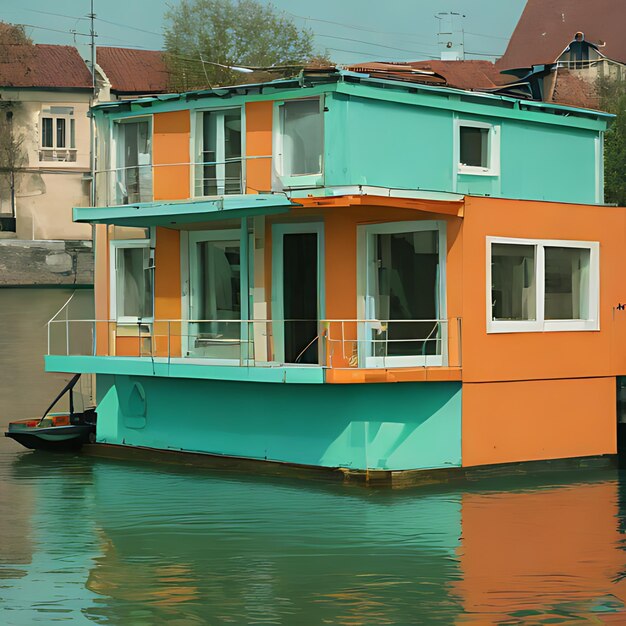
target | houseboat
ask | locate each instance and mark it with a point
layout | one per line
(352, 272)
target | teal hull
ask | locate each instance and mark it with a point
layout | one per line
(404, 426)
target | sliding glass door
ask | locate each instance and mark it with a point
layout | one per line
(404, 307)
(215, 297)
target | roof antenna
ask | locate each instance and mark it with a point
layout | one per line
(454, 50)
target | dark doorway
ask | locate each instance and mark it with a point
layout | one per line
(300, 297)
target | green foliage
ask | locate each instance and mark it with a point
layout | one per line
(229, 32)
(613, 100)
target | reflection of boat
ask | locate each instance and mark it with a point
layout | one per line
(56, 431)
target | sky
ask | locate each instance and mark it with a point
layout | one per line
(348, 31)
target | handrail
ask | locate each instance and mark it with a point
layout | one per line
(339, 343)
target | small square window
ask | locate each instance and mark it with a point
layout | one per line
(474, 146)
(478, 150)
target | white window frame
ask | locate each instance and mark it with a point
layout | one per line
(493, 148)
(295, 180)
(197, 139)
(592, 323)
(58, 153)
(113, 281)
(365, 240)
(114, 154)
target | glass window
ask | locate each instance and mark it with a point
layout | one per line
(566, 283)
(405, 293)
(134, 283)
(513, 288)
(46, 132)
(220, 169)
(215, 295)
(302, 137)
(543, 285)
(474, 146)
(134, 156)
(61, 132)
(219, 286)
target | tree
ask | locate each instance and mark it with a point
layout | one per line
(202, 36)
(14, 44)
(613, 99)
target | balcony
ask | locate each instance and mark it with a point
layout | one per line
(209, 179)
(342, 351)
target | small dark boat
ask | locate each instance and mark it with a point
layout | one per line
(56, 431)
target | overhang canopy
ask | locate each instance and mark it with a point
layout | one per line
(172, 213)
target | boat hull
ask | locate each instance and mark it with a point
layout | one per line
(61, 438)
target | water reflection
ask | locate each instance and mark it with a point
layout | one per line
(137, 544)
(86, 541)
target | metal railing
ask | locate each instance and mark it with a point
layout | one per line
(135, 183)
(334, 343)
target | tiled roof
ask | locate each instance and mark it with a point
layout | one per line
(466, 74)
(548, 26)
(458, 74)
(134, 71)
(42, 66)
(574, 91)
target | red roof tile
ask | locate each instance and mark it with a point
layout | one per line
(42, 66)
(574, 91)
(134, 71)
(459, 74)
(548, 26)
(465, 74)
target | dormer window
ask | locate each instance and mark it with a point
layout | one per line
(478, 148)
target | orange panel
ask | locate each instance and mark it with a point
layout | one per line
(533, 420)
(258, 144)
(341, 272)
(167, 293)
(171, 146)
(519, 356)
(101, 288)
(538, 552)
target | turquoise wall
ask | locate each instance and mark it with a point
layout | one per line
(399, 145)
(391, 427)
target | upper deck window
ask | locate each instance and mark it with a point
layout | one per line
(300, 142)
(133, 168)
(219, 153)
(478, 148)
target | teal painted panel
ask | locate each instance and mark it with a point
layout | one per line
(161, 367)
(372, 142)
(542, 162)
(376, 426)
(400, 145)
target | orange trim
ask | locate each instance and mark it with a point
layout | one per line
(171, 146)
(398, 375)
(258, 144)
(101, 288)
(167, 293)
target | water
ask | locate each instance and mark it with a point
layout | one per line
(86, 541)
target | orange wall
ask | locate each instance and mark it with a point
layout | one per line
(540, 419)
(520, 356)
(341, 265)
(101, 288)
(258, 144)
(514, 544)
(171, 145)
(167, 292)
